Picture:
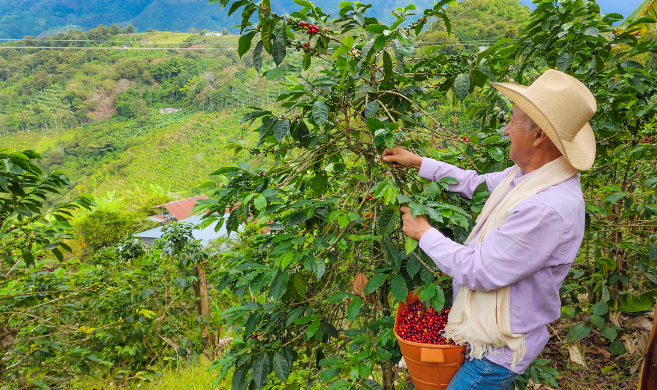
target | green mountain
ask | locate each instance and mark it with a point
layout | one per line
(41, 17)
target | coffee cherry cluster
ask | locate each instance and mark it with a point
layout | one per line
(311, 29)
(367, 219)
(425, 326)
(466, 139)
(646, 140)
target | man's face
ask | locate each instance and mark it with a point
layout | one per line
(522, 140)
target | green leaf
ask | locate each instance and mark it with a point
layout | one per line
(300, 284)
(391, 253)
(382, 355)
(416, 209)
(281, 367)
(438, 300)
(307, 59)
(281, 128)
(462, 86)
(239, 378)
(652, 251)
(427, 292)
(338, 297)
(236, 5)
(320, 113)
(580, 331)
(597, 321)
(387, 66)
(354, 308)
(399, 289)
(257, 58)
(244, 43)
(319, 184)
(343, 220)
(266, 33)
(319, 268)
(411, 244)
(592, 31)
(329, 374)
(279, 285)
(609, 333)
(615, 197)
(564, 61)
(348, 41)
(413, 264)
(374, 385)
(261, 370)
(375, 282)
(371, 109)
(388, 220)
(600, 309)
(617, 348)
(636, 304)
(278, 51)
(260, 202)
(339, 385)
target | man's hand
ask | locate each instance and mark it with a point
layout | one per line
(399, 156)
(414, 227)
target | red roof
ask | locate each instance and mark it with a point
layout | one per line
(180, 209)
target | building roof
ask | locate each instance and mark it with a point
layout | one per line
(205, 235)
(180, 209)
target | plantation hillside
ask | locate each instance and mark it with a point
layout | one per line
(96, 113)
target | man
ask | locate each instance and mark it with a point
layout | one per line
(507, 275)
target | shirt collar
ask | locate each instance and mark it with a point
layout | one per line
(520, 176)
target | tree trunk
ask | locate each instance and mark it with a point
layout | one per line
(388, 375)
(204, 303)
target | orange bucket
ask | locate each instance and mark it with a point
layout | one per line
(432, 367)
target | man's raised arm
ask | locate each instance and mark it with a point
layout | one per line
(431, 169)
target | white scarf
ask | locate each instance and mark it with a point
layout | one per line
(482, 319)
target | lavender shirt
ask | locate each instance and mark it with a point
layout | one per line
(531, 252)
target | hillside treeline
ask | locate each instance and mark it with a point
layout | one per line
(59, 89)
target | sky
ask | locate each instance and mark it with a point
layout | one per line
(623, 7)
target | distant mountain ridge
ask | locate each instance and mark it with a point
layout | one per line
(624, 7)
(34, 17)
(44, 17)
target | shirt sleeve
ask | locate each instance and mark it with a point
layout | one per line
(468, 180)
(510, 253)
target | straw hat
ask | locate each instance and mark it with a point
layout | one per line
(562, 107)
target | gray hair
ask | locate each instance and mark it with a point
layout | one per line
(530, 124)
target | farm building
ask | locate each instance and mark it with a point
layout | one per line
(176, 210)
(205, 235)
(180, 211)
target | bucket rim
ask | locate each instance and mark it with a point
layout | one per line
(432, 346)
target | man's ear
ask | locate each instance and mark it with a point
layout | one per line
(540, 137)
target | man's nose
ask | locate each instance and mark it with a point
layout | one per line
(506, 129)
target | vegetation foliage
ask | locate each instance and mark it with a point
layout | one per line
(322, 289)
(309, 290)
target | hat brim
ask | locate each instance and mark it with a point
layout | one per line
(580, 152)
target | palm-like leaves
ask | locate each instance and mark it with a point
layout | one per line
(647, 8)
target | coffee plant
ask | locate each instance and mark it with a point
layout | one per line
(318, 287)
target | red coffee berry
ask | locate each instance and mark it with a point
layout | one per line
(423, 325)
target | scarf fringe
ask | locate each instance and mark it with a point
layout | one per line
(479, 350)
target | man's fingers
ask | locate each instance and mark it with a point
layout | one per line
(405, 210)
